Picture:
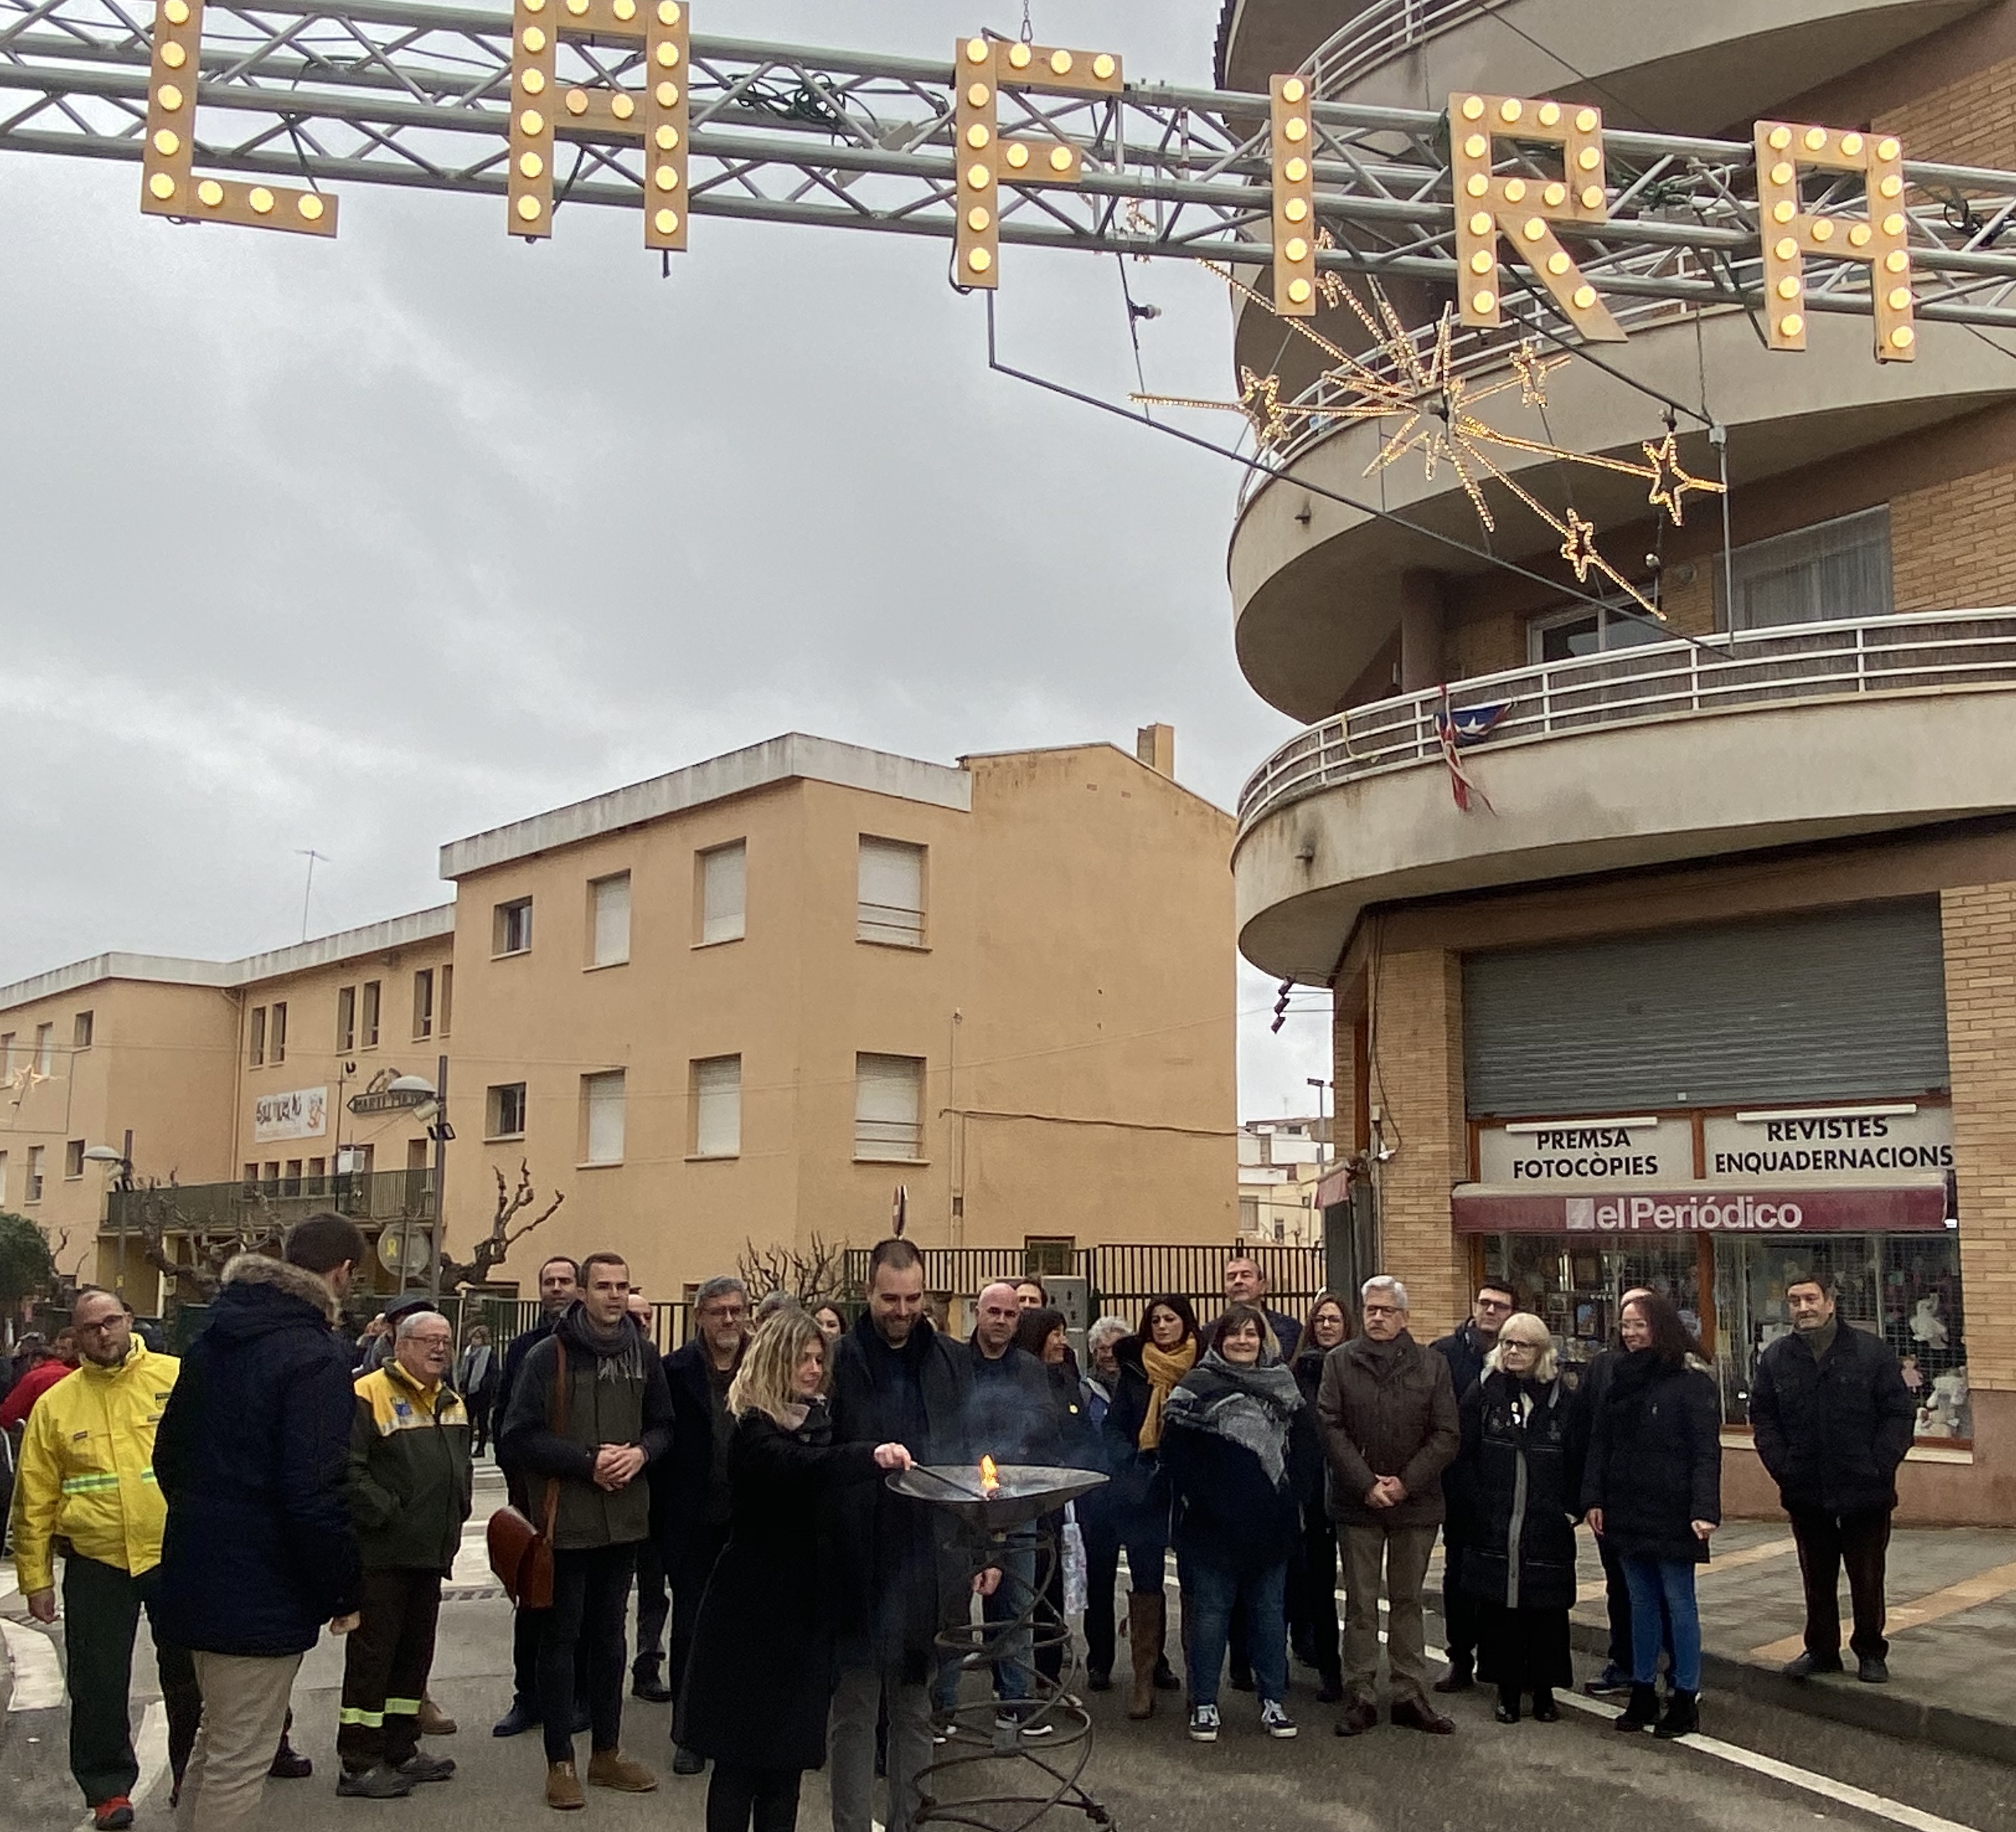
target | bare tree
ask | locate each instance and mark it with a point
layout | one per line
(492, 1252)
(212, 1248)
(810, 1274)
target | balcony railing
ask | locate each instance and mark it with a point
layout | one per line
(1927, 652)
(221, 1208)
(1380, 31)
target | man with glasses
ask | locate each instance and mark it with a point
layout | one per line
(695, 1503)
(1464, 1349)
(87, 1486)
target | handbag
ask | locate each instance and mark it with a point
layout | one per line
(521, 1554)
(1071, 1550)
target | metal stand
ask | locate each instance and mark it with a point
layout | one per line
(973, 1740)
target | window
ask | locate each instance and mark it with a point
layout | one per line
(504, 1111)
(346, 1018)
(445, 1011)
(74, 1158)
(251, 1175)
(609, 920)
(602, 1118)
(717, 1107)
(271, 1178)
(369, 1021)
(423, 1003)
(255, 1052)
(80, 1029)
(1049, 1256)
(1566, 636)
(317, 1175)
(290, 1178)
(6, 1052)
(1835, 570)
(46, 1049)
(888, 1095)
(891, 899)
(723, 878)
(511, 927)
(34, 1174)
(276, 1034)
(3, 1180)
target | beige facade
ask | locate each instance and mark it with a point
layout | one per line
(744, 1001)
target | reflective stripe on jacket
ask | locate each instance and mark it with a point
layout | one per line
(86, 1469)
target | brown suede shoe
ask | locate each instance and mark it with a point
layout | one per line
(611, 1767)
(1417, 1713)
(434, 1721)
(563, 1788)
(1360, 1714)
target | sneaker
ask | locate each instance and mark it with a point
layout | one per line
(375, 1783)
(422, 1767)
(1274, 1719)
(1204, 1723)
(1010, 1722)
(118, 1811)
(1609, 1683)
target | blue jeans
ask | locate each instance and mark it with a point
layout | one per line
(1011, 1652)
(1214, 1592)
(1667, 1583)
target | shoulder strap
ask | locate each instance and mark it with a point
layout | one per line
(558, 1419)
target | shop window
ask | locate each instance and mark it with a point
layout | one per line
(1573, 1286)
(1568, 636)
(1832, 571)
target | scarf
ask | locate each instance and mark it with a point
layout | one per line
(1250, 1407)
(618, 1349)
(1164, 1367)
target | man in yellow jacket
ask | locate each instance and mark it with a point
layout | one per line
(86, 1489)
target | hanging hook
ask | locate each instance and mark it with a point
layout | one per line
(1028, 30)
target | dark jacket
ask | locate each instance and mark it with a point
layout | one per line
(1140, 1486)
(1387, 1414)
(250, 1455)
(1654, 1462)
(691, 1486)
(617, 1398)
(1308, 1367)
(409, 1475)
(1832, 1433)
(1521, 1479)
(515, 1352)
(482, 1389)
(1078, 1443)
(1465, 1350)
(1011, 1417)
(759, 1682)
(1230, 1514)
(898, 1573)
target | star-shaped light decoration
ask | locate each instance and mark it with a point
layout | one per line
(1436, 410)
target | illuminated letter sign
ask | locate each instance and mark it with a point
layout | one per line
(168, 184)
(1790, 234)
(1291, 145)
(982, 68)
(655, 115)
(1521, 208)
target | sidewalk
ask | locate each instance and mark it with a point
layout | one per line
(1952, 1630)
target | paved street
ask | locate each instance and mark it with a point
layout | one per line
(1573, 1774)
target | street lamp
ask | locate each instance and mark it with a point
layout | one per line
(1318, 1083)
(122, 1156)
(432, 1107)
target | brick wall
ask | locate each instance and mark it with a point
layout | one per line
(1949, 544)
(1969, 122)
(1418, 1078)
(1978, 923)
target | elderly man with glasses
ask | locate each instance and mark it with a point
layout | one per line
(1465, 1349)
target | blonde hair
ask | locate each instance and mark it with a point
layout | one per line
(766, 1381)
(1548, 1365)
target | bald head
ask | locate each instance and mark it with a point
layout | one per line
(996, 1313)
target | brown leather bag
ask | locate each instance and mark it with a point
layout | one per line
(521, 1554)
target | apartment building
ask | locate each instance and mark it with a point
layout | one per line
(774, 995)
(1712, 985)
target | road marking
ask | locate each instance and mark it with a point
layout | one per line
(1935, 1606)
(151, 1747)
(38, 1682)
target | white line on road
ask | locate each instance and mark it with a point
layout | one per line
(38, 1683)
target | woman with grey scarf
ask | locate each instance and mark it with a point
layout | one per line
(1237, 1441)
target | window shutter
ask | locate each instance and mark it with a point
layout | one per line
(604, 1095)
(887, 1097)
(891, 892)
(723, 878)
(718, 1107)
(612, 920)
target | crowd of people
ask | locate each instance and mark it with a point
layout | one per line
(792, 1605)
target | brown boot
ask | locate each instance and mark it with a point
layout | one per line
(434, 1721)
(611, 1767)
(563, 1788)
(1145, 1617)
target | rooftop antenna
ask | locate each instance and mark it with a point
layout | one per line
(310, 854)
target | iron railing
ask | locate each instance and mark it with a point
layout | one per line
(1924, 651)
(246, 1207)
(1380, 31)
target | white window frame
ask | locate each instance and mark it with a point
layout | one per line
(717, 1107)
(883, 1134)
(881, 919)
(34, 1191)
(3, 1180)
(1611, 612)
(723, 893)
(603, 1098)
(511, 929)
(493, 1109)
(609, 920)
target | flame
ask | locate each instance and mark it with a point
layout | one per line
(990, 1477)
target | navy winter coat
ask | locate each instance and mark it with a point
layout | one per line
(252, 1455)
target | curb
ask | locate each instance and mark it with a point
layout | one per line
(1883, 1709)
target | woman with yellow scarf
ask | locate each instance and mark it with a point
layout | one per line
(1150, 1364)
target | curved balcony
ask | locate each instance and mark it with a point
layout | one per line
(1638, 757)
(1317, 586)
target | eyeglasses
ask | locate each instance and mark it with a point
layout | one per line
(99, 1328)
(1493, 1303)
(1382, 1310)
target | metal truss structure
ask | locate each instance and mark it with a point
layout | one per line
(391, 92)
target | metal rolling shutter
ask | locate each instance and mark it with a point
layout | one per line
(1843, 1005)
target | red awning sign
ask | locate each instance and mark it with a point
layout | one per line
(1704, 1208)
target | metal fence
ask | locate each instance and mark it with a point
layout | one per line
(1932, 650)
(1380, 31)
(276, 1203)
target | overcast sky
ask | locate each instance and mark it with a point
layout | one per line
(367, 545)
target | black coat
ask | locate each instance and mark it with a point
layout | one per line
(1521, 1482)
(1832, 1433)
(899, 1571)
(1140, 1486)
(759, 1682)
(1012, 1415)
(1465, 1350)
(515, 1353)
(1228, 1515)
(1654, 1463)
(691, 1507)
(252, 1454)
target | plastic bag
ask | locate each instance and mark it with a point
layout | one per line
(1070, 1546)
